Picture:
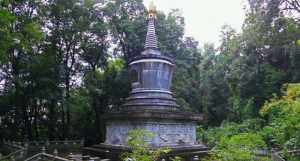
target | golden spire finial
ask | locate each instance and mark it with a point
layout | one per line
(152, 10)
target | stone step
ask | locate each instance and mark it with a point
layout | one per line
(95, 150)
(80, 157)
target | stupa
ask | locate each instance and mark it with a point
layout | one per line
(151, 105)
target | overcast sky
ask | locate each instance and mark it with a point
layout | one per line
(204, 18)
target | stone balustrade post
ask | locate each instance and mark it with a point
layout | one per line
(55, 152)
(26, 145)
(21, 154)
(66, 142)
(36, 143)
(81, 142)
(195, 158)
(47, 143)
(43, 149)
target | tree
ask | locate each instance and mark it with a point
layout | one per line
(21, 36)
(107, 89)
(77, 35)
(128, 25)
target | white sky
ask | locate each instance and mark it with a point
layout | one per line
(204, 18)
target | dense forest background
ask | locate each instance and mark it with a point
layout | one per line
(63, 64)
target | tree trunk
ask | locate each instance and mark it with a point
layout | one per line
(97, 114)
(51, 121)
(67, 108)
(36, 130)
(63, 122)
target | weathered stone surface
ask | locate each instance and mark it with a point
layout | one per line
(157, 115)
(167, 133)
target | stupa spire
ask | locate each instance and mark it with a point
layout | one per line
(151, 40)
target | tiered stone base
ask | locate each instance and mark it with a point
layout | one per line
(188, 153)
(173, 129)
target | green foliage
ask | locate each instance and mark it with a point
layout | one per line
(298, 42)
(213, 136)
(6, 19)
(140, 150)
(241, 141)
(32, 31)
(283, 114)
(234, 141)
(241, 147)
(83, 116)
(106, 90)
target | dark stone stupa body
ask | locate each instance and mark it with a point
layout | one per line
(151, 105)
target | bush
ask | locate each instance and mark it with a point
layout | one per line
(140, 150)
(240, 147)
(283, 115)
(240, 141)
(212, 136)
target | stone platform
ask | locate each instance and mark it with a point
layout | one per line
(173, 129)
(114, 152)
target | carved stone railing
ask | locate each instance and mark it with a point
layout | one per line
(55, 142)
(45, 156)
(276, 156)
(295, 152)
(14, 155)
(19, 144)
(20, 151)
(16, 145)
(42, 156)
(25, 149)
(40, 149)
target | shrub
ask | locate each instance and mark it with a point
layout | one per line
(212, 136)
(140, 150)
(240, 147)
(283, 114)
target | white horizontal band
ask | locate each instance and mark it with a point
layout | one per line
(151, 60)
(136, 90)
